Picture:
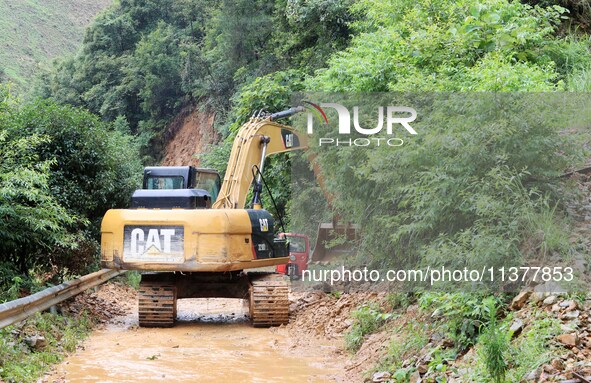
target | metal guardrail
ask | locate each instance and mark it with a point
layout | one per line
(20, 309)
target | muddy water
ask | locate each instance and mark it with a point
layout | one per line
(217, 347)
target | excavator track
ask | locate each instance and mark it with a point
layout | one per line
(157, 304)
(269, 302)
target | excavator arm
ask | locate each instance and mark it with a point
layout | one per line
(257, 139)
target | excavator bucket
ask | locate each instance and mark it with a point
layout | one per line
(334, 242)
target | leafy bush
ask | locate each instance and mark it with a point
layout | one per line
(61, 168)
(464, 314)
(33, 219)
(450, 45)
(457, 193)
(133, 278)
(367, 319)
(447, 199)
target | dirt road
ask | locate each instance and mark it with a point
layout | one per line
(217, 346)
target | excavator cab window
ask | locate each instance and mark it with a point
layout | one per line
(168, 182)
(209, 182)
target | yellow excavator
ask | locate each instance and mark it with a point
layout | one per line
(196, 239)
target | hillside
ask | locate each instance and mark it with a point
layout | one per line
(34, 31)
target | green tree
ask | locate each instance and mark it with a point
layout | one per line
(32, 221)
(66, 167)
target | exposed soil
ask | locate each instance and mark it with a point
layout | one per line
(105, 304)
(190, 133)
(326, 316)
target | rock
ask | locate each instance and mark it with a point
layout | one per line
(550, 300)
(36, 341)
(412, 308)
(423, 368)
(41, 342)
(533, 376)
(382, 376)
(565, 303)
(580, 265)
(520, 300)
(571, 314)
(448, 343)
(415, 377)
(546, 289)
(566, 329)
(557, 364)
(437, 336)
(516, 327)
(569, 340)
(549, 369)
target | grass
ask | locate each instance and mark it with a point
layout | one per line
(21, 363)
(549, 231)
(523, 355)
(35, 31)
(133, 278)
(531, 349)
(368, 319)
(580, 80)
(411, 338)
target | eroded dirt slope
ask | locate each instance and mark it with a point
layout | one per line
(190, 133)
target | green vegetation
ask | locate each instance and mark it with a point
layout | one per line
(445, 198)
(495, 342)
(144, 60)
(61, 168)
(522, 355)
(421, 338)
(455, 45)
(411, 339)
(462, 314)
(35, 31)
(477, 187)
(367, 320)
(23, 358)
(532, 349)
(133, 278)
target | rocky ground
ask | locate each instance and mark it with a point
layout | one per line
(573, 364)
(104, 304)
(324, 315)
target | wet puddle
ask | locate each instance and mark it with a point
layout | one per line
(217, 347)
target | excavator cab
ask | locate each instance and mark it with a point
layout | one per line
(177, 187)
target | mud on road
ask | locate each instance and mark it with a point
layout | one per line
(212, 342)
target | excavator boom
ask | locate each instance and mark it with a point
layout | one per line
(254, 141)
